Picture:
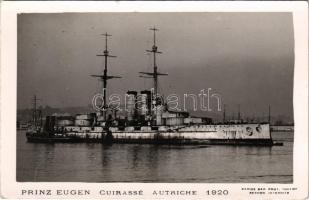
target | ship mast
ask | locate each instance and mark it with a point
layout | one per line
(224, 113)
(35, 111)
(239, 116)
(269, 117)
(155, 74)
(104, 77)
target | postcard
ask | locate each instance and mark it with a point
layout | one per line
(154, 100)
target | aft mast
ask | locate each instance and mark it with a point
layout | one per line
(155, 74)
(36, 113)
(104, 77)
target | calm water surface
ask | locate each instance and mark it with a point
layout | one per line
(151, 163)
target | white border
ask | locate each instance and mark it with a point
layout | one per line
(11, 189)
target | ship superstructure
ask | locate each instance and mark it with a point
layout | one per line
(147, 120)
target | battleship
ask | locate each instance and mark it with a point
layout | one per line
(148, 120)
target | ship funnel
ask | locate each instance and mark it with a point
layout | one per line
(131, 104)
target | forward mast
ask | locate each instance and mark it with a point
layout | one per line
(104, 77)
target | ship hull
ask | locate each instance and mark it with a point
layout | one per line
(254, 142)
(245, 134)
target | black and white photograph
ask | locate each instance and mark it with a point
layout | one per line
(190, 97)
(157, 97)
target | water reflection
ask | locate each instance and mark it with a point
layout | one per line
(105, 156)
(154, 163)
(135, 150)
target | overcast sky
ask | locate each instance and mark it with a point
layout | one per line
(248, 58)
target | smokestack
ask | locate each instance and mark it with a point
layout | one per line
(131, 104)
